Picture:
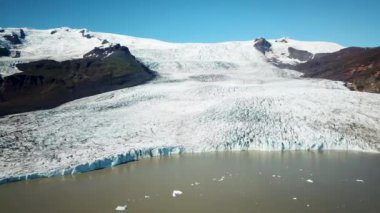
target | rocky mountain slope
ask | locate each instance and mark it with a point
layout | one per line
(47, 83)
(208, 97)
(358, 67)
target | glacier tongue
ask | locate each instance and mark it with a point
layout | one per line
(209, 97)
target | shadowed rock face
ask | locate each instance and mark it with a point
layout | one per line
(98, 53)
(4, 52)
(262, 45)
(46, 83)
(301, 55)
(13, 38)
(85, 34)
(22, 34)
(360, 67)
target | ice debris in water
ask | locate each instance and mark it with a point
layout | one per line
(294, 198)
(121, 208)
(307, 205)
(195, 183)
(176, 192)
(146, 196)
(360, 180)
(309, 181)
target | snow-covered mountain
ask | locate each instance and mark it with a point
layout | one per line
(291, 52)
(218, 96)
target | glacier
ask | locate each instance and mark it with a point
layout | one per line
(208, 97)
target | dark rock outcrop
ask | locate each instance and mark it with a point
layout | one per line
(13, 38)
(359, 67)
(22, 34)
(53, 32)
(262, 45)
(4, 52)
(301, 55)
(283, 40)
(98, 52)
(86, 34)
(46, 83)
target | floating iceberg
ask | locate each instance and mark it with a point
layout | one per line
(121, 208)
(176, 193)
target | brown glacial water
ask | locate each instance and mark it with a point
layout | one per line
(246, 181)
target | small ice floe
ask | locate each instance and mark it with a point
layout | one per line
(195, 184)
(307, 205)
(260, 173)
(146, 196)
(359, 180)
(300, 170)
(273, 175)
(121, 208)
(176, 192)
(294, 198)
(278, 176)
(221, 179)
(309, 181)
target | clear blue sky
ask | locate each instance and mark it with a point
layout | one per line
(348, 22)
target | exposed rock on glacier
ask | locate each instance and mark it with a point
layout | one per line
(262, 45)
(45, 84)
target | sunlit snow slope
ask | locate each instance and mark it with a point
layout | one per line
(208, 97)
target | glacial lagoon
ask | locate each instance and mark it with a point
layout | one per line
(236, 181)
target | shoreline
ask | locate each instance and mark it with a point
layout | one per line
(137, 154)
